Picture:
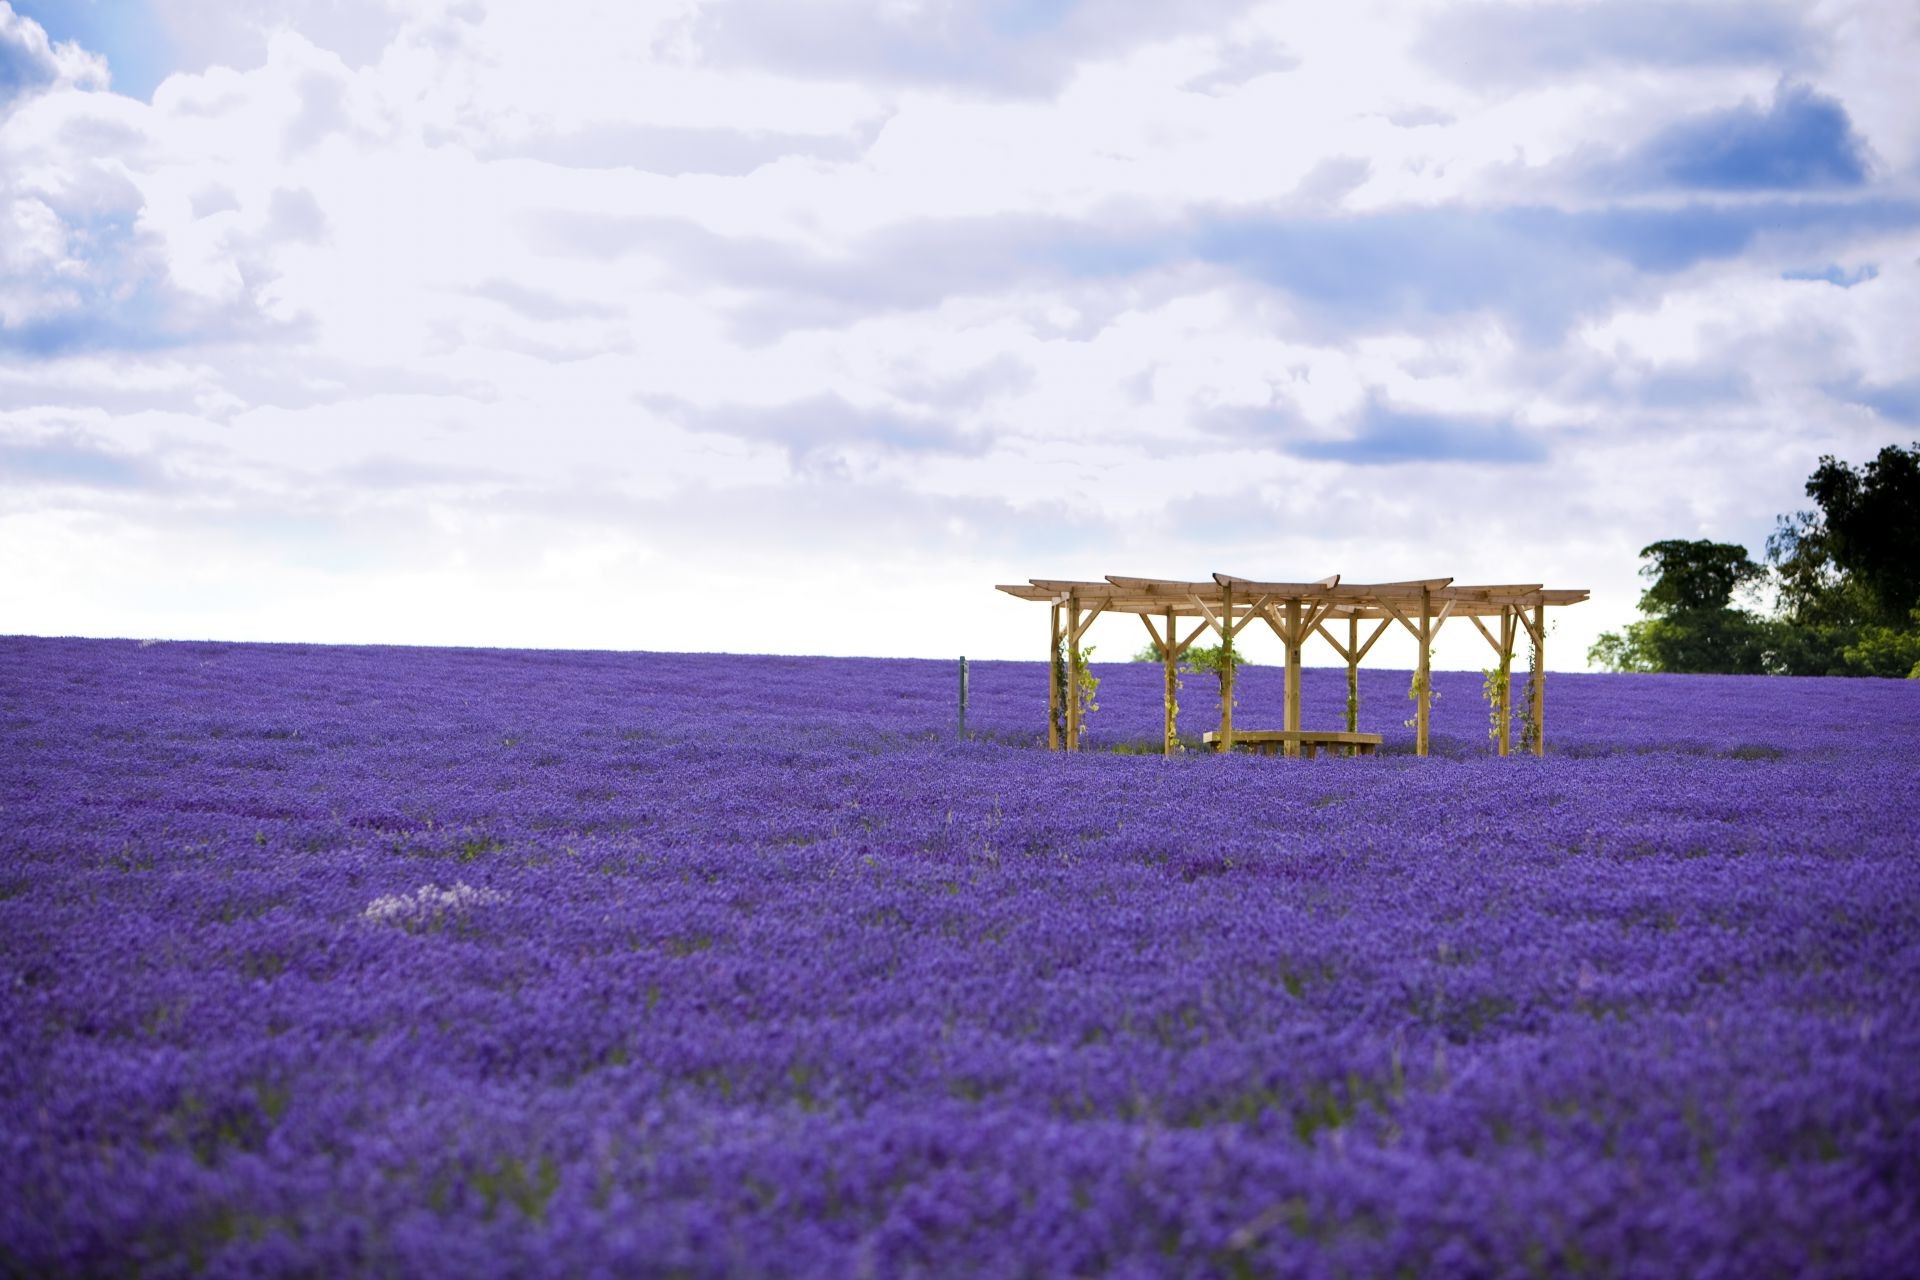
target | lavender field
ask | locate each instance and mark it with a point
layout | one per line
(331, 961)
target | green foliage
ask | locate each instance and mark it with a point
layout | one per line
(1626, 650)
(1691, 623)
(1869, 526)
(1060, 682)
(1529, 700)
(1693, 576)
(1089, 686)
(1421, 683)
(509, 1181)
(1353, 699)
(1497, 689)
(1726, 641)
(1847, 576)
(1218, 661)
(1887, 651)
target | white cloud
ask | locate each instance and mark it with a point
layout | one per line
(439, 323)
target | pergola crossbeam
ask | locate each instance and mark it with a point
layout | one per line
(1377, 633)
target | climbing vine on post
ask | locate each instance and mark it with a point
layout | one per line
(1059, 710)
(1089, 685)
(1528, 722)
(1496, 688)
(1353, 698)
(1218, 662)
(1420, 684)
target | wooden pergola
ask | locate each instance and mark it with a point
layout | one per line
(1296, 611)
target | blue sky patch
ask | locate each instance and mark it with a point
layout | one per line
(1894, 401)
(1835, 274)
(1803, 141)
(1389, 435)
(127, 33)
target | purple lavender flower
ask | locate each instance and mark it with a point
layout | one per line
(389, 961)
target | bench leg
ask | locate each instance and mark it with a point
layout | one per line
(1309, 749)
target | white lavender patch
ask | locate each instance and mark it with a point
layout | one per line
(429, 907)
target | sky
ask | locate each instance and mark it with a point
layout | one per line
(757, 326)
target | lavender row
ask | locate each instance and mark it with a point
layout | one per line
(464, 962)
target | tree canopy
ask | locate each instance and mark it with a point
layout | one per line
(1848, 573)
(1845, 578)
(1691, 624)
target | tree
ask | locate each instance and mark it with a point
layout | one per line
(1691, 624)
(1848, 574)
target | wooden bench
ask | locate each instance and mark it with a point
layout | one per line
(1269, 741)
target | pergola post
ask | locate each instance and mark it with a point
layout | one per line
(1506, 680)
(1539, 677)
(1226, 669)
(1053, 681)
(1292, 708)
(1171, 659)
(1423, 675)
(1353, 673)
(1072, 691)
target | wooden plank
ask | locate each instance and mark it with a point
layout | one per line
(1503, 743)
(1166, 587)
(1282, 590)
(1402, 619)
(1353, 673)
(1540, 680)
(1253, 611)
(1335, 737)
(1483, 631)
(1292, 704)
(1346, 654)
(1170, 661)
(1073, 586)
(1485, 591)
(1274, 624)
(1053, 681)
(1207, 613)
(1146, 620)
(1409, 591)
(1377, 633)
(1073, 675)
(1226, 670)
(1081, 630)
(1153, 593)
(1423, 704)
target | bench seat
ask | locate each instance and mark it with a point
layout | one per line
(1269, 741)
